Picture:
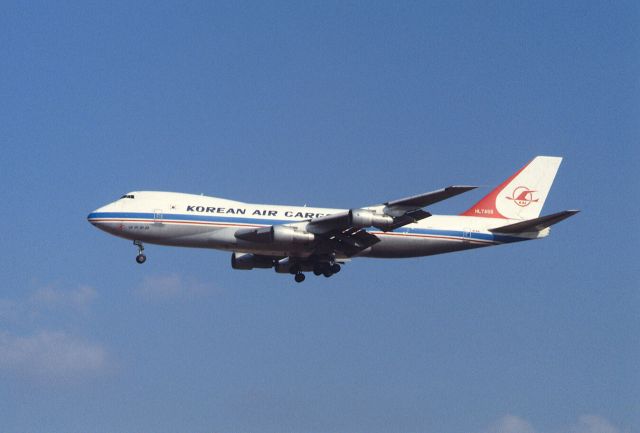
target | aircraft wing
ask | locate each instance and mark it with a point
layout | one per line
(404, 205)
(346, 231)
(388, 216)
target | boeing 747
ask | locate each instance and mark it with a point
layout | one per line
(294, 240)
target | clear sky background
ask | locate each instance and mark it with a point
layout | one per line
(338, 104)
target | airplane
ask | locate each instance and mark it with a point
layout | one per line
(294, 239)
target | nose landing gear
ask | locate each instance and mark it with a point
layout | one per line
(140, 258)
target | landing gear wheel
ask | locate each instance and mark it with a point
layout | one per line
(299, 277)
(335, 268)
(140, 258)
(327, 273)
(317, 270)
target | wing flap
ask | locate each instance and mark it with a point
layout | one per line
(353, 241)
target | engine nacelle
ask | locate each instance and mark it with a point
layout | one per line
(362, 218)
(286, 265)
(288, 235)
(275, 234)
(283, 266)
(249, 261)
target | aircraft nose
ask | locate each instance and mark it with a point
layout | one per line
(97, 216)
(94, 216)
(91, 215)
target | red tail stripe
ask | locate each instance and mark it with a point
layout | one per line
(486, 207)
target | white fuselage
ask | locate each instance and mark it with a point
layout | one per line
(189, 220)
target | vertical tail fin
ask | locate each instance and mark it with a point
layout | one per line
(523, 194)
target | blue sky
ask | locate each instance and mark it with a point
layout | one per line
(337, 104)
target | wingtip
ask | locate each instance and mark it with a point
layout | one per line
(462, 187)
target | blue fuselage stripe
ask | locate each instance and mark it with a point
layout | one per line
(408, 230)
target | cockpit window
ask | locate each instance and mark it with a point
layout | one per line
(128, 196)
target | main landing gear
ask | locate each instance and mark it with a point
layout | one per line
(140, 258)
(326, 269)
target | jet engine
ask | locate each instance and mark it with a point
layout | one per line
(249, 261)
(362, 218)
(285, 235)
(275, 234)
(289, 265)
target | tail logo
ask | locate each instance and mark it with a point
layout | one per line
(523, 196)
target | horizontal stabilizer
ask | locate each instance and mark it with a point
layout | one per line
(536, 224)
